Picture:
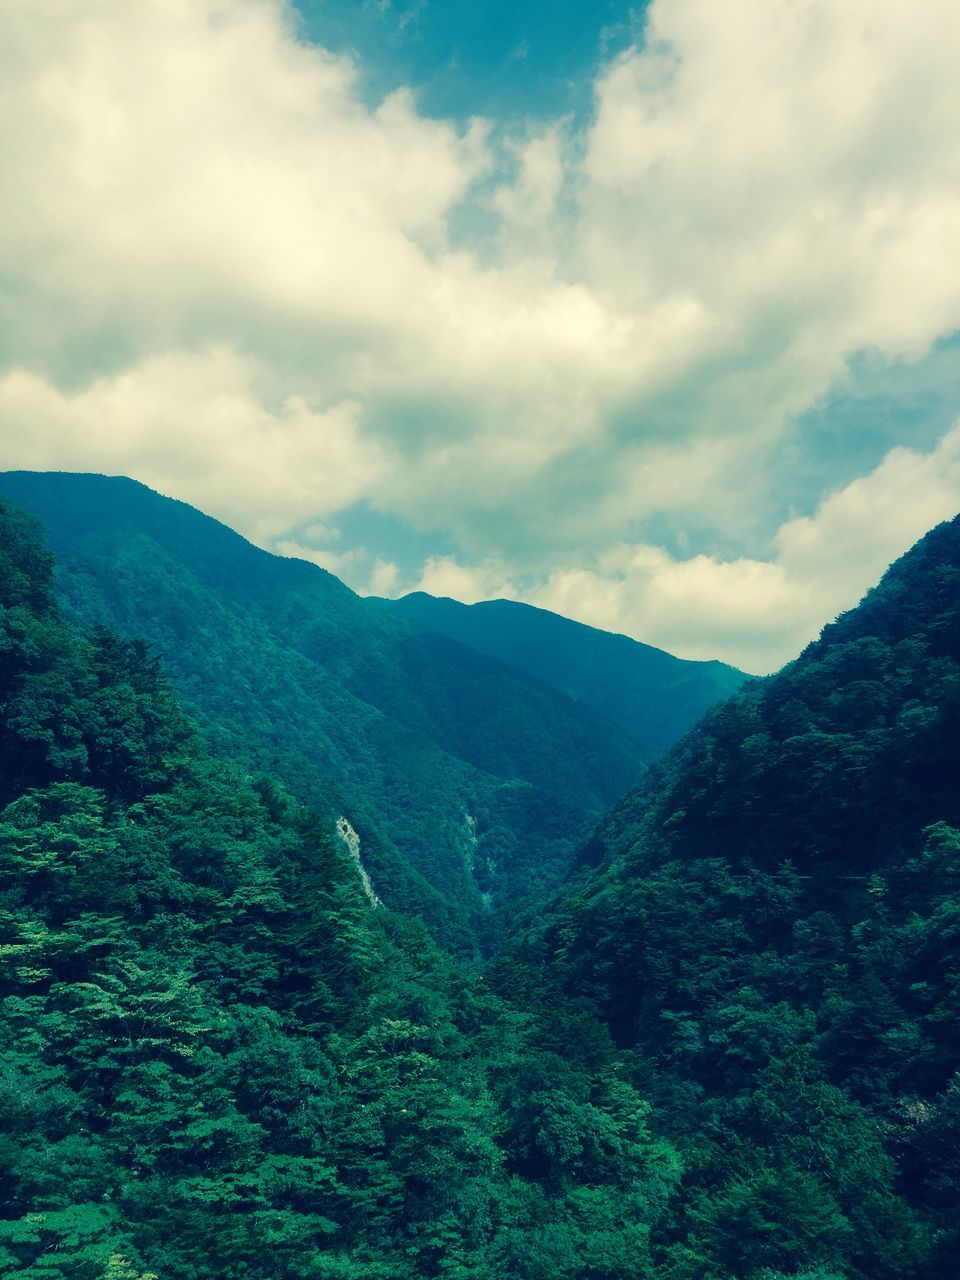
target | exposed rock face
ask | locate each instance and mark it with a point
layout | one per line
(350, 838)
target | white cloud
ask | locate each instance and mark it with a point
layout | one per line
(226, 274)
(788, 171)
(756, 614)
(384, 578)
(345, 564)
(531, 199)
(188, 175)
(194, 426)
(488, 580)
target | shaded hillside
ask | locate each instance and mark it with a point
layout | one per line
(468, 782)
(219, 1059)
(774, 932)
(651, 694)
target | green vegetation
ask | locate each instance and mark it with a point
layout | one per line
(650, 694)
(220, 1060)
(470, 784)
(774, 931)
(728, 1051)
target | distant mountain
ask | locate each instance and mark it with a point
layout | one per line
(467, 782)
(651, 694)
(773, 930)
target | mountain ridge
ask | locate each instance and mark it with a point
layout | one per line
(628, 682)
(469, 782)
(725, 1052)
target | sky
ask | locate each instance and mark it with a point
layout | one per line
(647, 314)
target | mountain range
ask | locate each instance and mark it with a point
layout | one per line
(650, 694)
(465, 780)
(723, 1047)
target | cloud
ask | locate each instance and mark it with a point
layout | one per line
(227, 273)
(530, 200)
(384, 578)
(189, 175)
(783, 161)
(194, 426)
(189, 167)
(758, 614)
(443, 576)
(754, 613)
(788, 174)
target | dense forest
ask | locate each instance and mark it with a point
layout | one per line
(773, 929)
(642, 689)
(470, 783)
(220, 1060)
(728, 1049)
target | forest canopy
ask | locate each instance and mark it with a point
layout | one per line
(728, 1048)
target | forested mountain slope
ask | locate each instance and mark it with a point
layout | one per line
(727, 1052)
(773, 929)
(653, 695)
(219, 1059)
(469, 782)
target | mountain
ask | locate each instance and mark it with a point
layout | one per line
(772, 930)
(220, 1058)
(464, 784)
(727, 1050)
(651, 694)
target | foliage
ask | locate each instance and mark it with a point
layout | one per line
(654, 696)
(220, 1060)
(774, 931)
(470, 783)
(726, 1052)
